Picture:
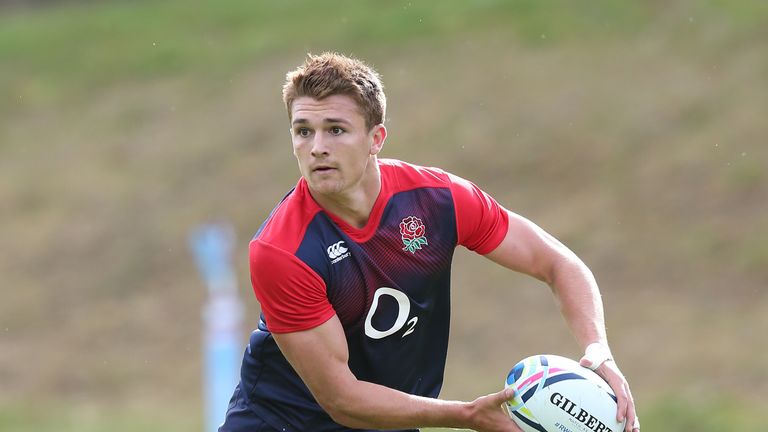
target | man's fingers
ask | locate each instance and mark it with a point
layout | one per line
(620, 387)
(625, 404)
(632, 422)
(622, 403)
(505, 395)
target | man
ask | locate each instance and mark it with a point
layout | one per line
(352, 270)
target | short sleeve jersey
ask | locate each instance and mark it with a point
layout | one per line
(388, 283)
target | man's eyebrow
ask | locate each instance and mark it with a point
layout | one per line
(337, 120)
(297, 121)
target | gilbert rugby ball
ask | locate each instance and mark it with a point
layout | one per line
(556, 394)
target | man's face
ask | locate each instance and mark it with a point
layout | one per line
(332, 144)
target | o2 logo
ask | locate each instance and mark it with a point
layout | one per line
(403, 309)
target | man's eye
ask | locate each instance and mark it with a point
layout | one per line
(302, 132)
(337, 130)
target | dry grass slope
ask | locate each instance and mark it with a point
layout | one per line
(641, 144)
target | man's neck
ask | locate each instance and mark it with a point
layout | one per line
(354, 206)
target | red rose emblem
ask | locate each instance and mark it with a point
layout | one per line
(412, 228)
(412, 231)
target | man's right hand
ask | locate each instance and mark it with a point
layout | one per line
(488, 414)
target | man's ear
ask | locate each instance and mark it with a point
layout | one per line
(379, 135)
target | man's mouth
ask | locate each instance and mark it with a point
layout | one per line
(323, 168)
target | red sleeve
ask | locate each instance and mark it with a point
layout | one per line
(481, 222)
(292, 296)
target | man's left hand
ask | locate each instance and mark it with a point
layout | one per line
(626, 404)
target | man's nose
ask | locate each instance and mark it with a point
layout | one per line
(319, 146)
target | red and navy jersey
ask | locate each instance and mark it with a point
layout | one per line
(388, 283)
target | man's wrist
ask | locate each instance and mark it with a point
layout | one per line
(463, 414)
(596, 354)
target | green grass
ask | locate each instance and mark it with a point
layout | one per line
(705, 414)
(668, 414)
(54, 55)
(54, 417)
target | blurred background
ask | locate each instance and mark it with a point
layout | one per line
(636, 132)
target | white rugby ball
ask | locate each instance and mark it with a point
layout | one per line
(556, 394)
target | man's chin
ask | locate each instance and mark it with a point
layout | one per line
(325, 187)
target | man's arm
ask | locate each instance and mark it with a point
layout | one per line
(320, 357)
(529, 249)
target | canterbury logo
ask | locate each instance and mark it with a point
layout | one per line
(337, 250)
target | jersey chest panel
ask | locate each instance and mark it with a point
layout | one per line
(354, 271)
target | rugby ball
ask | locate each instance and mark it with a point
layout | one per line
(556, 394)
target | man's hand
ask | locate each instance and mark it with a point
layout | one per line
(488, 414)
(626, 404)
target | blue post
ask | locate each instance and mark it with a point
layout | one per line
(212, 245)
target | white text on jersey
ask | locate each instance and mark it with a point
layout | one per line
(337, 252)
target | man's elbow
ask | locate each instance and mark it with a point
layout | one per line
(339, 406)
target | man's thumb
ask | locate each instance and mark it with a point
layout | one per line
(506, 395)
(587, 363)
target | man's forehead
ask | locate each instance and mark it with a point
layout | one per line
(333, 107)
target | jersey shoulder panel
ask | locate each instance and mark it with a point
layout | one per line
(292, 295)
(291, 292)
(403, 176)
(481, 221)
(286, 226)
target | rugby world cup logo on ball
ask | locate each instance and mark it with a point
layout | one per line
(412, 232)
(554, 393)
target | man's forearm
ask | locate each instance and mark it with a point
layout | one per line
(320, 357)
(372, 406)
(579, 299)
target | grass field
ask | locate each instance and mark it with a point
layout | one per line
(666, 414)
(633, 131)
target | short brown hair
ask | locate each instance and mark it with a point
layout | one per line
(331, 74)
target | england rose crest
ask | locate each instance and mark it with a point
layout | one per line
(412, 231)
